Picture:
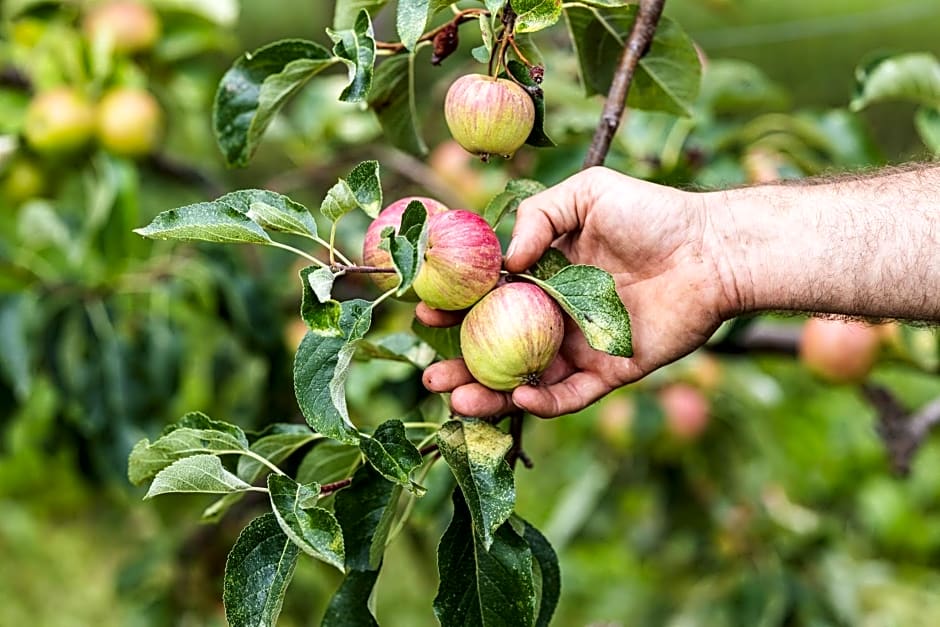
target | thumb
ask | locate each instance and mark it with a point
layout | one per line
(540, 220)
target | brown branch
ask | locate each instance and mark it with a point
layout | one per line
(515, 452)
(330, 488)
(464, 16)
(638, 42)
(902, 432)
(339, 267)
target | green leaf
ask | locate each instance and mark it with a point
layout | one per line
(349, 606)
(213, 221)
(549, 264)
(549, 574)
(508, 201)
(15, 345)
(255, 88)
(533, 15)
(194, 434)
(320, 368)
(275, 212)
(927, 122)
(346, 11)
(329, 461)
(217, 509)
(731, 86)
(476, 453)
(356, 48)
(196, 473)
(445, 341)
(313, 529)
(537, 137)
(912, 77)
(257, 572)
(361, 189)
(393, 100)
(365, 511)
(494, 6)
(391, 453)
(407, 248)
(401, 347)
(486, 587)
(667, 77)
(589, 295)
(322, 315)
(279, 442)
(411, 21)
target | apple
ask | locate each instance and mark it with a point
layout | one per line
(487, 115)
(128, 122)
(839, 351)
(511, 336)
(59, 121)
(128, 27)
(372, 255)
(461, 263)
(686, 410)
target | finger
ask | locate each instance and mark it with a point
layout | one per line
(444, 376)
(431, 317)
(476, 400)
(540, 220)
(565, 397)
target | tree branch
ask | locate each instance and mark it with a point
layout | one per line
(902, 432)
(465, 15)
(638, 42)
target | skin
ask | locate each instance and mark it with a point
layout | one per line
(684, 262)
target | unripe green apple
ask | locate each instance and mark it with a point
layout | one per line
(511, 336)
(24, 179)
(487, 115)
(839, 351)
(59, 121)
(461, 263)
(686, 410)
(129, 27)
(372, 255)
(129, 121)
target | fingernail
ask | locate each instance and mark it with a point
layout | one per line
(512, 247)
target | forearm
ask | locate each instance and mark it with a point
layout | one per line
(865, 247)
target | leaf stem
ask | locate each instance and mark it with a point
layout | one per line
(333, 242)
(422, 425)
(378, 300)
(264, 461)
(322, 242)
(297, 251)
(638, 43)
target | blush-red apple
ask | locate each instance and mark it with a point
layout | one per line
(487, 115)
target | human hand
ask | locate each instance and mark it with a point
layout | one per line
(658, 244)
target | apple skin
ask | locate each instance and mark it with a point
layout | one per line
(462, 261)
(686, 411)
(24, 179)
(511, 336)
(372, 255)
(59, 121)
(129, 122)
(488, 116)
(130, 27)
(839, 351)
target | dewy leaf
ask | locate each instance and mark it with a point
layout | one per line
(912, 77)
(349, 606)
(275, 212)
(444, 340)
(196, 473)
(407, 248)
(411, 20)
(476, 452)
(667, 77)
(279, 442)
(589, 295)
(320, 368)
(255, 88)
(507, 202)
(927, 122)
(533, 15)
(549, 573)
(537, 137)
(207, 222)
(346, 11)
(356, 48)
(322, 315)
(393, 100)
(365, 511)
(313, 529)
(492, 587)
(257, 572)
(391, 453)
(361, 189)
(549, 264)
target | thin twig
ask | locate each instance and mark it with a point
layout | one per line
(463, 16)
(515, 452)
(330, 488)
(638, 42)
(352, 269)
(902, 432)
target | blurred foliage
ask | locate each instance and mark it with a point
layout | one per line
(782, 513)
